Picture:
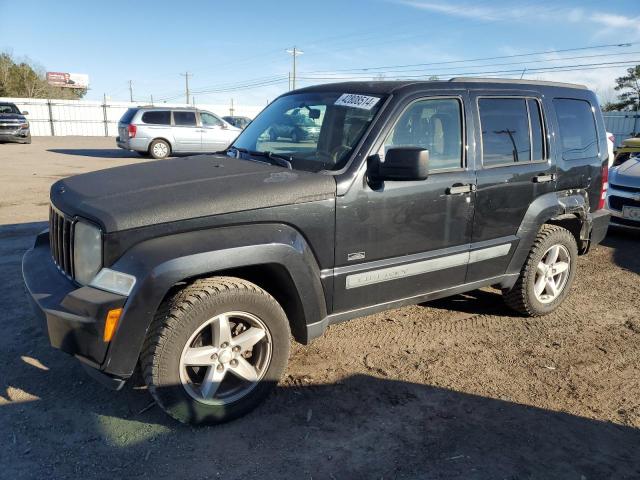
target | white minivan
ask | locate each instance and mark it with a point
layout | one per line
(159, 132)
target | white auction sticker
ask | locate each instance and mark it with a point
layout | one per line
(357, 101)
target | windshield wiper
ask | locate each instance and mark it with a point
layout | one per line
(277, 158)
(274, 158)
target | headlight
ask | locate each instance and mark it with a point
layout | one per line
(114, 282)
(87, 252)
(24, 125)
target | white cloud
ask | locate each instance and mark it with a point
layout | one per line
(611, 24)
(625, 28)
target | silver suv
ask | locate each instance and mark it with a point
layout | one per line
(159, 132)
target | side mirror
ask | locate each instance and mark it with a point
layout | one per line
(400, 163)
(223, 126)
(24, 112)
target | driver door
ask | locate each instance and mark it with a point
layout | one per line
(216, 136)
(407, 238)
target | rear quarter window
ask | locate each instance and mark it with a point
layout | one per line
(128, 115)
(577, 124)
(160, 117)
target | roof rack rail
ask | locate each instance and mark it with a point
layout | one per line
(516, 81)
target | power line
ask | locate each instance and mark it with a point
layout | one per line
(539, 61)
(586, 66)
(450, 62)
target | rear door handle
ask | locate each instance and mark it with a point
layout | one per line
(544, 177)
(460, 188)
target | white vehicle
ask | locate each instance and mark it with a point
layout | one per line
(159, 132)
(611, 141)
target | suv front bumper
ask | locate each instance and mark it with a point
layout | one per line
(18, 135)
(74, 316)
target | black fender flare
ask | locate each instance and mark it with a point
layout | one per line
(543, 209)
(160, 263)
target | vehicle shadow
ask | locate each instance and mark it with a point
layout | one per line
(57, 423)
(625, 244)
(477, 302)
(95, 152)
(360, 427)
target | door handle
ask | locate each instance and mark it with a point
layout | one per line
(460, 188)
(544, 177)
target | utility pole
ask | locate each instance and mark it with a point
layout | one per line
(231, 110)
(294, 52)
(152, 99)
(186, 76)
(131, 90)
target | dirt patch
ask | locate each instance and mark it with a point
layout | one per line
(458, 388)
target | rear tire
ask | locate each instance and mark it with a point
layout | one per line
(187, 347)
(159, 149)
(547, 274)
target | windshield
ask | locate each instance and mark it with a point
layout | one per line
(8, 108)
(315, 130)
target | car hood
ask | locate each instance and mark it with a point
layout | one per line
(12, 116)
(627, 174)
(631, 142)
(164, 191)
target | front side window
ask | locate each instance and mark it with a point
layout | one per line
(578, 134)
(432, 124)
(160, 117)
(314, 130)
(184, 119)
(505, 131)
(209, 120)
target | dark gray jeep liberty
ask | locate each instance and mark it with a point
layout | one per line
(200, 269)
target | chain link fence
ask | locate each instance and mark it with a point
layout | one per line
(622, 124)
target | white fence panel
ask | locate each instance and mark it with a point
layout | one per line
(92, 118)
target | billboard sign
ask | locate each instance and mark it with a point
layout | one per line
(68, 80)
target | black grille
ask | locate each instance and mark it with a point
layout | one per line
(625, 221)
(625, 188)
(61, 240)
(617, 203)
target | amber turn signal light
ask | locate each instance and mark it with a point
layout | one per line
(111, 323)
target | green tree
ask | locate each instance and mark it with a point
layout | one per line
(25, 79)
(629, 86)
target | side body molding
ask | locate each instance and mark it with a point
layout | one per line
(160, 263)
(543, 209)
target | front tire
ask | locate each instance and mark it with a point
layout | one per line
(547, 274)
(215, 350)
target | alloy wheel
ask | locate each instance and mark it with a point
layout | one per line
(225, 358)
(552, 273)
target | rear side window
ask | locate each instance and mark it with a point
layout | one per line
(128, 115)
(578, 134)
(160, 117)
(185, 119)
(435, 125)
(537, 131)
(505, 131)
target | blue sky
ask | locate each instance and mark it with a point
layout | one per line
(231, 44)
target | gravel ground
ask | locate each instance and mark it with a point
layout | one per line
(458, 388)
